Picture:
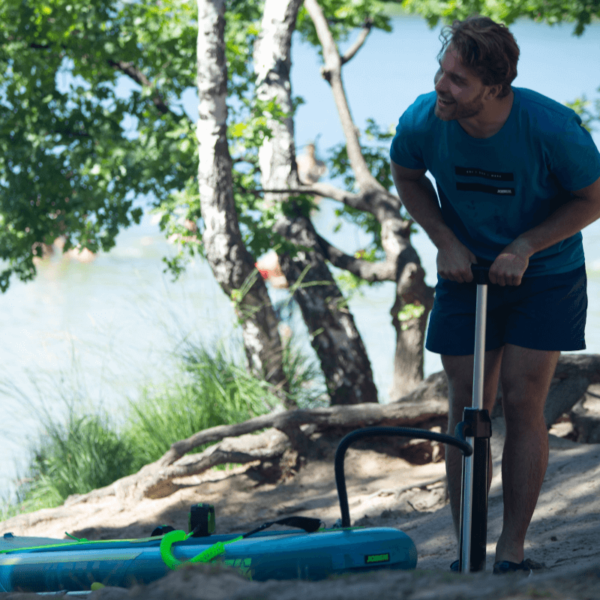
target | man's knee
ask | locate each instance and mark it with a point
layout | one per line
(521, 408)
(526, 377)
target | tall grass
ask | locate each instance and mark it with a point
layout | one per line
(82, 452)
(210, 389)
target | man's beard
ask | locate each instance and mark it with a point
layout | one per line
(471, 109)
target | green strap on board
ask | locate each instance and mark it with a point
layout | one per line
(77, 540)
(205, 556)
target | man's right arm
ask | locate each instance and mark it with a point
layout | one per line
(420, 200)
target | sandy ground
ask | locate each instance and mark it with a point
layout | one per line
(384, 490)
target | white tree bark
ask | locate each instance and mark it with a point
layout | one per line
(232, 264)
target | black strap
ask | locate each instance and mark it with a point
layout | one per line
(308, 524)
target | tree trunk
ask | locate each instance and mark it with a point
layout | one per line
(333, 332)
(411, 291)
(414, 298)
(231, 263)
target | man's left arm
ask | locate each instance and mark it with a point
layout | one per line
(573, 216)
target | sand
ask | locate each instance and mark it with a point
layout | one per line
(383, 490)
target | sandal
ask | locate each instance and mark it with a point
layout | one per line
(506, 566)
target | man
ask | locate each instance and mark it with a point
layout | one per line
(518, 178)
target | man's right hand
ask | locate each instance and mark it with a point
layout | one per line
(454, 262)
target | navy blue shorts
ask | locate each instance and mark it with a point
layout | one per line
(547, 312)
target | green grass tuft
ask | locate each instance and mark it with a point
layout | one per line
(210, 389)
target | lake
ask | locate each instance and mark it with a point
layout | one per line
(109, 326)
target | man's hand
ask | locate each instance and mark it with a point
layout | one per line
(454, 261)
(510, 264)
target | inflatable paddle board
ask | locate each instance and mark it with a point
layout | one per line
(49, 565)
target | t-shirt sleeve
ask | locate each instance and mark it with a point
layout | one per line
(574, 157)
(406, 149)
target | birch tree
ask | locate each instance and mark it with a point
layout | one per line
(231, 263)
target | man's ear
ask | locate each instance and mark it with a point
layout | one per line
(495, 91)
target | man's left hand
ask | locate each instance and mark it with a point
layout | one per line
(509, 266)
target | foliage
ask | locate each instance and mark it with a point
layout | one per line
(76, 152)
(343, 17)
(351, 284)
(409, 313)
(507, 11)
(210, 389)
(580, 106)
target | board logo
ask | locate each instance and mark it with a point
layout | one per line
(376, 558)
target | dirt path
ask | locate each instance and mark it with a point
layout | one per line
(383, 491)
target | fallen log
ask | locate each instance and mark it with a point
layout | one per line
(287, 432)
(574, 374)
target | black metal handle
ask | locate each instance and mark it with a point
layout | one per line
(309, 524)
(410, 432)
(480, 274)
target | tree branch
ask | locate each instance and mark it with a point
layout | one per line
(369, 271)
(409, 412)
(130, 70)
(358, 44)
(332, 73)
(326, 190)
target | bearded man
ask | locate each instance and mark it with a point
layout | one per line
(518, 178)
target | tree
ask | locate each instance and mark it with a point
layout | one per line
(74, 157)
(334, 335)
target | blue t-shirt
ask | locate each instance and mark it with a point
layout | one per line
(492, 190)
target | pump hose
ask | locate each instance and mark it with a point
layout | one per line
(410, 432)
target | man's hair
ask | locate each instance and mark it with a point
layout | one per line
(488, 48)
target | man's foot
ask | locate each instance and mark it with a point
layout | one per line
(454, 566)
(506, 566)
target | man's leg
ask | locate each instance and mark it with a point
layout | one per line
(459, 370)
(526, 377)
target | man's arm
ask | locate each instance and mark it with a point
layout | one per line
(454, 260)
(567, 220)
(420, 200)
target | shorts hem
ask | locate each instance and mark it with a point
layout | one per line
(563, 348)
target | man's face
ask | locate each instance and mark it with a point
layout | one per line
(460, 87)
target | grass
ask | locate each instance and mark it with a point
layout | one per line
(82, 452)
